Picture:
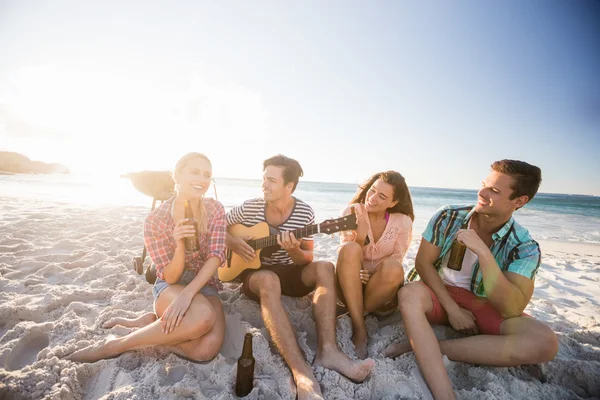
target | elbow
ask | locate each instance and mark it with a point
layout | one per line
(419, 267)
(509, 314)
(511, 311)
(170, 280)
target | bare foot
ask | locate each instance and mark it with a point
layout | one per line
(536, 371)
(138, 322)
(307, 388)
(397, 349)
(99, 351)
(360, 345)
(334, 359)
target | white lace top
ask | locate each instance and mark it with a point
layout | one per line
(394, 241)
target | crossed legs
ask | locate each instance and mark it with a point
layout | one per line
(199, 336)
(522, 340)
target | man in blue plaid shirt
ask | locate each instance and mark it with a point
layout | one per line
(485, 299)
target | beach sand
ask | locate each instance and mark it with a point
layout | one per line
(65, 269)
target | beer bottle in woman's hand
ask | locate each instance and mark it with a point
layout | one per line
(191, 243)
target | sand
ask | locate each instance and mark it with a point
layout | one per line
(65, 269)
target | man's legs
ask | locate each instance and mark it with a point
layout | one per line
(414, 302)
(522, 340)
(321, 275)
(265, 284)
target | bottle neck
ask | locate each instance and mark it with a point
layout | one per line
(247, 351)
(187, 206)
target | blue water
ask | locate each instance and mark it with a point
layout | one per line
(548, 216)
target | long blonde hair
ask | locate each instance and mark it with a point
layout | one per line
(201, 213)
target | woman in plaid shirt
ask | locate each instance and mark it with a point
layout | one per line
(190, 314)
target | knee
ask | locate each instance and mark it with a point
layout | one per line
(547, 344)
(325, 271)
(537, 346)
(392, 271)
(268, 284)
(411, 297)
(203, 321)
(209, 350)
(351, 249)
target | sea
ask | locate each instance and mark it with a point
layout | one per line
(560, 217)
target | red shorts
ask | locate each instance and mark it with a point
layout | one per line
(487, 318)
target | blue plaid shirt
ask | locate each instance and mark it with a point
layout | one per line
(513, 248)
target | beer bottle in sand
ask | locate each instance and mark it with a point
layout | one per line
(245, 369)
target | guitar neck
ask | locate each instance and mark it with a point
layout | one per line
(269, 241)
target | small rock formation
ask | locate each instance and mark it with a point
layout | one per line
(11, 162)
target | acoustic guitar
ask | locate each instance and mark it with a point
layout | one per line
(267, 242)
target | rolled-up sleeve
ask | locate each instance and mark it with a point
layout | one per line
(217, 228)
(159, 244)
(403, 239)
(436, 228)
(525, 259)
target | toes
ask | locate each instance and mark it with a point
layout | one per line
(110, 323)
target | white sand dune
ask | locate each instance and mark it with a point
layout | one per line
(64, 270)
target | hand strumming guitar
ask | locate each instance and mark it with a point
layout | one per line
(239, 246)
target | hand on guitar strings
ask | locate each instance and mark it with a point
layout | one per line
(239, 246)
(287, 241)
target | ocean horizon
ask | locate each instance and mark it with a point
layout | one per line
(562, 217)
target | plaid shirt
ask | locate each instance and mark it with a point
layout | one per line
(158, 238)
(513, 249)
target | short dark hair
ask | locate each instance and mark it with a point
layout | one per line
(292, 171)
(526, 177)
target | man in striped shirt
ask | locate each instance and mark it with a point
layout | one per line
(291, 271)
(486, 297)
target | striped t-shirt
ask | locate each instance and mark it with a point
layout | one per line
(252, 211)
(513, 248)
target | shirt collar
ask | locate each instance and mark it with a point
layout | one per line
(504, 230)
(497, 235)
(164, 210)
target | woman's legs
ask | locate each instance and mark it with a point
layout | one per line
(139, 322)
(383, 285)
(348, 276)
(208, 346)
(200, 318)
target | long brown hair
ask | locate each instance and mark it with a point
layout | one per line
(401, 192)
(201, 213)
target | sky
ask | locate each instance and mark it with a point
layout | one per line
(434, 90)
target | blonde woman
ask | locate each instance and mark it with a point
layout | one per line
(188, 314)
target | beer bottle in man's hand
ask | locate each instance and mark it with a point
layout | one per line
(457, 253)
(191, 243)
(245, 369)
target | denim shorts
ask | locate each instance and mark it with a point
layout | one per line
(186, 277)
